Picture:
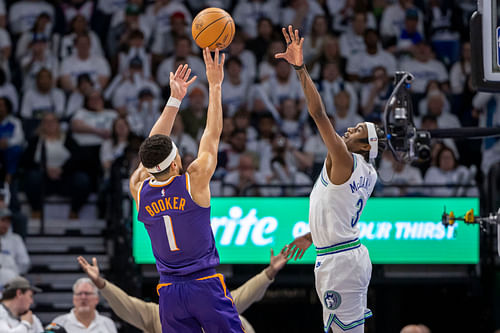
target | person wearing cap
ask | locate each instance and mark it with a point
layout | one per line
(343, 268)
(15, 313)
(11, 244)
(409, 35)
(84, 316)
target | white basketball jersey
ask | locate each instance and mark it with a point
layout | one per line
(334, 210)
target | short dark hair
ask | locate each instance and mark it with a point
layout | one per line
(11, 293)
(154, 150)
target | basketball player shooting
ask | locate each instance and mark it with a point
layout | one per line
(343, 266)
(175, 209)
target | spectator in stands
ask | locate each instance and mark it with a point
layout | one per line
(375, 94)
(283, 84)
(114, 147)
(84, 62)
(19, 220)
(145, 316)
(393, 18)
(316, 150)
(329, 53)
(182, 51)
(425, 68)
(313, 45)
(261, 42)
(135, 50)
(11, 140)
(449, 172)
(12, 244)
(247, 58)
(15, 313)
(160, 14)
(436, 101)
(79, 25)
(245, 179)
(360, 66)
(343, 118)
(460, 71)
(242, 121)
(266, 128)
(130, 18)
(332, 82)
(184, 141)
(230, 156)
(291, 121)
(43, 98)
(42, 26)
(38, 56)
(142, 117)
(249, 15)
(57, 174)
(77, 98)
(394, 174)
(352, 41)
(409, 36)
(235, 86)
(83, 315)
(8, 90)
(91, 126)
(266, 66)
(194, 114)
(433, 87)
(23, 14)
(300, 14)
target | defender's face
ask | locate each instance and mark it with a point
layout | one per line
(354, 136)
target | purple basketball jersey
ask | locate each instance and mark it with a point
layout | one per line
(179, 229)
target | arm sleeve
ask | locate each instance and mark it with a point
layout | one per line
(143, 315)
(251, 291)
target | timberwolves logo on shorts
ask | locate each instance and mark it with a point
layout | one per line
(332, 299)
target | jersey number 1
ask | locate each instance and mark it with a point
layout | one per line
(359, 206)
(170, 233)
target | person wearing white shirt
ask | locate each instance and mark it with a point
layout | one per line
(110, 7)
(393, 18)
(435, 106)
(135, 50)
(313, 46)
(130, 18)
(246, 174)
(300, 14)
(84, 317)
(163, 43)
(332, 84)
(22, 14)
(424, 68)
(282, 85)
(79, 25)
(15, 313)
(76, 99)
(360, 66)
(247, 58)
(38, 56)
(12, 244)
(184, 141)
(42, 26)
(235, 87)
(343, 118)
(393, 172)
(84, 62)
(248, 14)
(460, 71)
(8, 90)
(143, 116)
(114, 148)
(352, 41)
(11, 139)
(160, 12)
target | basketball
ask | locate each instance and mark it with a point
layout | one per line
(213, 28)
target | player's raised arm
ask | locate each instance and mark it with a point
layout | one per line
(341, 158)
(179, 83)
(203, 167)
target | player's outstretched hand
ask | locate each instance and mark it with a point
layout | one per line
(215, 67)
(293, 53)
(276, 263)
(298, 247)
(92, 271)
(179, 81)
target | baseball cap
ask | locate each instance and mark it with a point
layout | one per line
(132, 9)
(178, 15)
(20, 283)
(5, 212)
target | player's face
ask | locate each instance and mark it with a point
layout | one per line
(355, 137)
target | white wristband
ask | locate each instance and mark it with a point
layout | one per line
(174, 102)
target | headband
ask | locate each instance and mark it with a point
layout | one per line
(372, 139)
(162, 166)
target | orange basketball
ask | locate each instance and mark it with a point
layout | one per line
(213, 28)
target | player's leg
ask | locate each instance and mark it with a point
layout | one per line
(173, 316)
(217, 312)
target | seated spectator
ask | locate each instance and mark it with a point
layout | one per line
(135, 50)
(352, 41)
(79, 25)
(91, 126)
(8, 91)
(84, 315)
(12, 244)
(246, 57)
(19, 220)
(42, 26)
(315, 148)
(23, 14)
(330, 52)
(300, 14)
(393, 18)
(77, 98)
(313, 45)
(435, 107)
(184, 141)
(229, 156)
(460, 71)
(244, 180)
(332, 82)
(38, 56)
(291, 121)
(343, 118)
(449, 172)
(15, 313)
(194, 112)
(409, 36)
(242, 121)
(160, 12)
(182, 51)
(114, 147)
(84, 62)
(11, 140)
(262, 40)
(266, 66)
(433, 87)
(375, 94)
(249, 15)
(142, 117)
(266, 129)
(360, 66)
(394, 174)
(58, 175)
(235, 87)
(43, 98)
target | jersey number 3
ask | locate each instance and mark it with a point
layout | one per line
(359, 206)
(170, 233)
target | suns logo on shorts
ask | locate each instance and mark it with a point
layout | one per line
(332, 299)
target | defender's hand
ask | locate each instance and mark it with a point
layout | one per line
(179, 81)
(298, 247)
(92, 271)
(293, 53)
(215, 69)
